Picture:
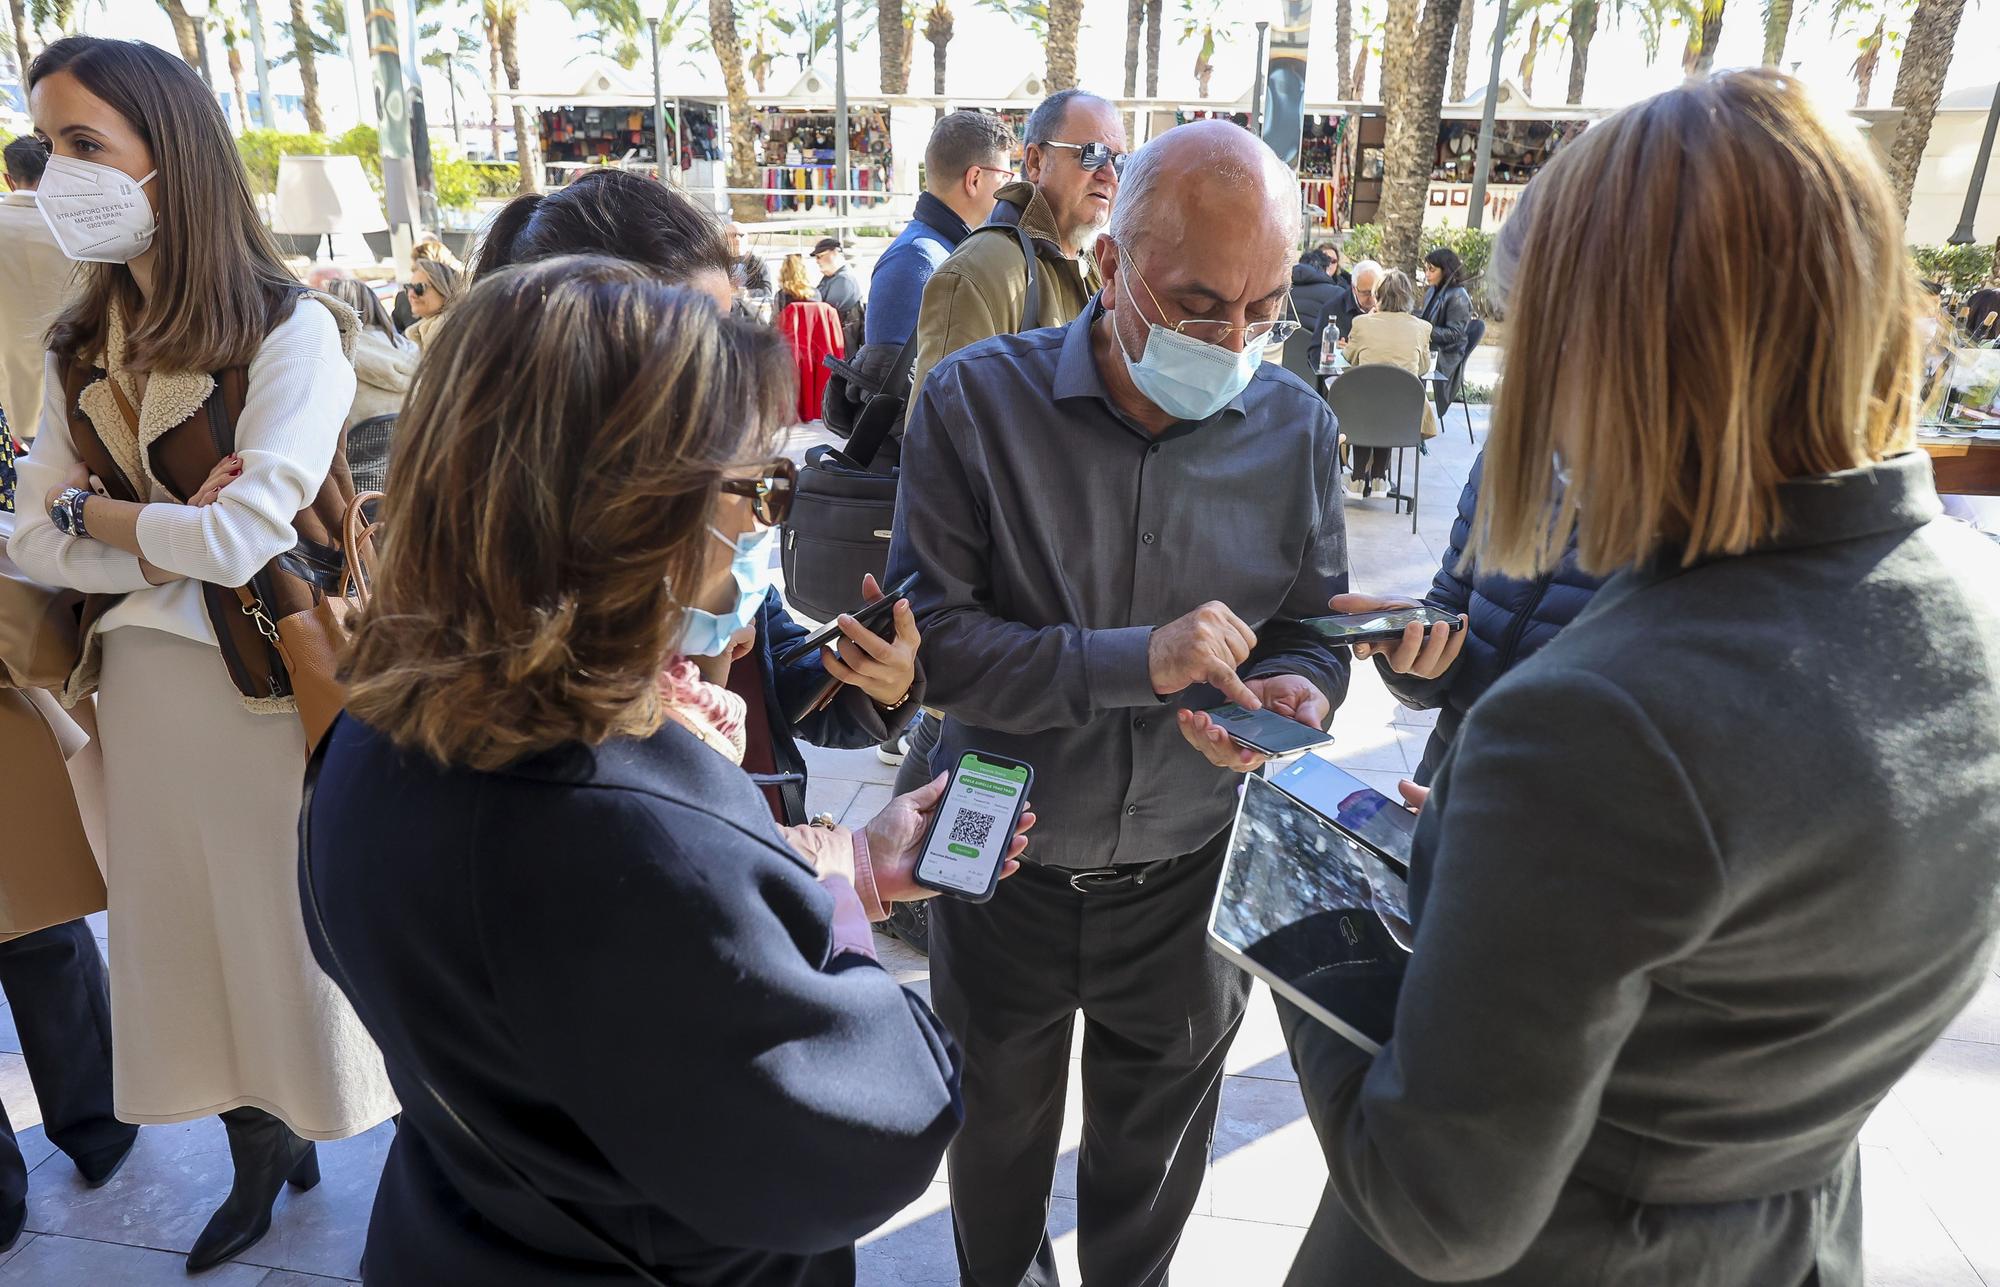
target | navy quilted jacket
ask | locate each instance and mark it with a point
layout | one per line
(1509, 621)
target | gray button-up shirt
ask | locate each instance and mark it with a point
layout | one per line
(1053, 534)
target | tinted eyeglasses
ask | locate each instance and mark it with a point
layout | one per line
(416, 289)
(770, 494)
(1095, 156)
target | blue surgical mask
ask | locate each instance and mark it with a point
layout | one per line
(1189, 379)
(708, 633)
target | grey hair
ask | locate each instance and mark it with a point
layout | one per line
(1139, 199)
(1394, 294)
(1047, 118)
(1365, 267)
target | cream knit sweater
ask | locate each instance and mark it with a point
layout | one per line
(299, 390)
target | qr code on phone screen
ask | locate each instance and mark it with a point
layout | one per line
(970, 828)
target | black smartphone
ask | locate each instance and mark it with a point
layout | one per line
(974, 827)
(1380, 627)
(872, 616)
(1382, 825)
(1267, 731)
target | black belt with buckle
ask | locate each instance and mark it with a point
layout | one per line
(1098, 880)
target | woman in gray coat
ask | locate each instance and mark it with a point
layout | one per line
(1702, 879)
(1447, 307)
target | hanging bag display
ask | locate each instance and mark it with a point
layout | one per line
(845, 509)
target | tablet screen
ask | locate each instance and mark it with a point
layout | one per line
(1298, 905)
(1382, 824)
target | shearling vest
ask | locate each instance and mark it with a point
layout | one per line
(180, 460)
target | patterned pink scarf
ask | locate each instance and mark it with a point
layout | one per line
(709, 711)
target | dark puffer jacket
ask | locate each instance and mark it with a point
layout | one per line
(1510, 621)
(1316, 295)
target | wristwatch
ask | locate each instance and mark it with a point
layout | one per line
(67, 512)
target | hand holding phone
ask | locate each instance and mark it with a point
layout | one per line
(884, 668)
(1415, 638)
(970, 841)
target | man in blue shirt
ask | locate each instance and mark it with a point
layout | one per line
(965, 166)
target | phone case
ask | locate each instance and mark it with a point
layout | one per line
(993, 878)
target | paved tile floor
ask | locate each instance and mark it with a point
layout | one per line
(1932, 1153)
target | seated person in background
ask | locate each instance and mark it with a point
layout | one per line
(627, 216)
(552, 901)
(384, 364)
(1701, 880)
(1317, 294)
(1508, 620)
(1388, 335)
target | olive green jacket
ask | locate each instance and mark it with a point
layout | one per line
(982, 289)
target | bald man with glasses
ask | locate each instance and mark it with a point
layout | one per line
(1118, 525)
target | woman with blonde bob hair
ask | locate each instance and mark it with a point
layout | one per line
(632, 1027)
(1704, 877)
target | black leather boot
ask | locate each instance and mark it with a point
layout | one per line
(267, 1155)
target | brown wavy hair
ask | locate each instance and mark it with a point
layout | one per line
(219, 287)
(562, 484)
(1711, 297)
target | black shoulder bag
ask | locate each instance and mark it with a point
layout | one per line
(845, 509)
(309, 894)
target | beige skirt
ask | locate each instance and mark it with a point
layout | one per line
(216, 1001)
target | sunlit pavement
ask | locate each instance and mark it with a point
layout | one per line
(1931, 1164)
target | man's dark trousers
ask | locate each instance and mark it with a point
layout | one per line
(55, 981)
(1160, 1009)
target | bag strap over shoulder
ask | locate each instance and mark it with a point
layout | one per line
(309, 890)
(884, 411)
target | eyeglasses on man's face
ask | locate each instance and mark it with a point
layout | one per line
(1006, 176)
(1095, 156)
(1277, 330)
(770, 493)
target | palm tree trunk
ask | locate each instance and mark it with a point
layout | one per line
(937, 30)
(24, 52)
(1711, 36)
(186, 34)
(1345, 87)
(1414, 61)
(1461, 50)
(1582, 30)
(1919, 82)
(527, 155)
(1358, 75)
(1155, 19)
(451, 88)
(1065, 22)
(1777, 27)
(492, 79)
(1527, 75)
(1865, 65)
(302, 50)
(236, 82)
(889, 30)
(1135, 24)
(728, 48)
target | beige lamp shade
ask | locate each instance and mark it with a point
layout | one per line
(325, 194)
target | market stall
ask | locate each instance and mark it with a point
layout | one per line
(798, 147)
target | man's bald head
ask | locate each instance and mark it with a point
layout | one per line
(1197, 179)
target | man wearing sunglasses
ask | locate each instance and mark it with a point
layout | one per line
(1074, 152)
(1118, 525)
(1074, 149)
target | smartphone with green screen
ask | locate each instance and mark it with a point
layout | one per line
(972, 830)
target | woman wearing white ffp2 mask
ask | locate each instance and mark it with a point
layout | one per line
(97, 213)
(184, 320)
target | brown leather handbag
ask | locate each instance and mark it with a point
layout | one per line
(311, 640)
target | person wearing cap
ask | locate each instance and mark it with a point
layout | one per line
(837, 287)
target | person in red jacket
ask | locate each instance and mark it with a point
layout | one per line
(813, 330)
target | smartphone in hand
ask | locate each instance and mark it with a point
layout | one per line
(974, 826)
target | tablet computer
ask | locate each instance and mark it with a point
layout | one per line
(1309, 911)
(1381, 824)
